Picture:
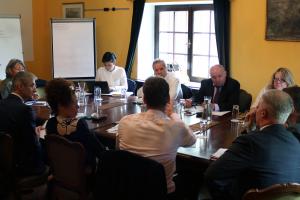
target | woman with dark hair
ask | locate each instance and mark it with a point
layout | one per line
(13, 67)
(63, 103)
(114, 75)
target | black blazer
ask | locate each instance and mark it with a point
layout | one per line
(256, 160)
(18, 119)
(229, 94)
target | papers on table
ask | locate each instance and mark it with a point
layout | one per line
(195, 109)
(218, 154)
(113, 129)
(219, 113)
(36, 103)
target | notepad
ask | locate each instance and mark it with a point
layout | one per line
(218, 153)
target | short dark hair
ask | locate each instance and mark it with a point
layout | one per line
(294, 92)
(59, 92)
(11, 64)
(109, 57)
(156, 92)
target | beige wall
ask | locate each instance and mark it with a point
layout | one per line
(253, 59)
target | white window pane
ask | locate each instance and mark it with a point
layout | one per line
(213, 61)
(181, 21)
(166, 42)
(201, 44)
(181, 60)
(212, 22)
(168, 58)
(202, 21)
(200, 66)
(213, 45)
(166, 21)
(181, 41)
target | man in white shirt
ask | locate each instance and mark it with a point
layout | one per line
(114, 75)
(157, 133)
(160, 70)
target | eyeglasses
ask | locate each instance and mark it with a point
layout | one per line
(279, 80)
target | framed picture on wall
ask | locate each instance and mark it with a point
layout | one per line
(73, 10)
(283, 19)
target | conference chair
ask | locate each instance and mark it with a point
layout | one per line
(186, 91)
(288, 191)
(245, 100)
(67, 163)
(139, 84)
(29, 187)
(127, 176)
(131, 86)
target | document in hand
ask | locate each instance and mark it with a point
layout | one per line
(218, 154)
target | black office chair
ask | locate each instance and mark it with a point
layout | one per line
(29, 187)
(131, 86)
(127, 176)
(245, 100)
(186, 91)
(139, 84)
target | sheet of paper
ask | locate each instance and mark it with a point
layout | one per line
(218, 113)
(218, 153)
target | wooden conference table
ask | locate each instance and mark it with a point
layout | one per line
(218, 136)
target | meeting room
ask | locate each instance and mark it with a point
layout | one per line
(149, 99)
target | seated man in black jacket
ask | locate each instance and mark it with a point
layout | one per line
(17, 119)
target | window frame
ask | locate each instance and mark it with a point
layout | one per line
(190, 8)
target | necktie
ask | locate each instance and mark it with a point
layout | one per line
(216, 96)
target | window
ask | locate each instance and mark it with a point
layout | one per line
(185, 35)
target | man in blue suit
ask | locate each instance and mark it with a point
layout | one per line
(261, 158)
(18, 120)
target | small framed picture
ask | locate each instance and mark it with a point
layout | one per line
(73, 10)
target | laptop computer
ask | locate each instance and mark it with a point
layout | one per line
(103, 85)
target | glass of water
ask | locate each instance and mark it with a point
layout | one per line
(97, 100)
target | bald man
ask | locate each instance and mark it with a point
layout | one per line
(223, 90)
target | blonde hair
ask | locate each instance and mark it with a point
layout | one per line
(287, 77)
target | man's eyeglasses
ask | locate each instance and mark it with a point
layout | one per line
(279, 80)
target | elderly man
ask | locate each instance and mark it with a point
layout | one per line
(261, 158)
(160, 70)
(17, 119)
(294, 118)
(223, 90)
(157, 133)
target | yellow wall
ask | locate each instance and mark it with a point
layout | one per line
(253, 59)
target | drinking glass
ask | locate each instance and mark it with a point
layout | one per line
(123, 93)
(97, 100)
(235, 111)
(203, 124)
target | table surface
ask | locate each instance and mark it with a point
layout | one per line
(218, 136)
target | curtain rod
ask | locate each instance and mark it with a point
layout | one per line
(106, 9)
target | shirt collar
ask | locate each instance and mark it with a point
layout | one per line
(18, 96)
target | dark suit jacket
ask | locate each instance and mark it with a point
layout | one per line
(229, 94)
(255, 160)
(17, 119)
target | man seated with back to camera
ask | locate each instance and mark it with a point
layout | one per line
(18, 120)
(223, 90)
(160, 70)
(114, 75)
(157, 133)
(270, 155)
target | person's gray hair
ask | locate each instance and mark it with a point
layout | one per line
(279, 105)
(22, 78)
(11, 64)
(158, 60)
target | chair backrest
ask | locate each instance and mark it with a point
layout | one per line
(288, 191)
(139, 84)
(131, 85)
(244, 100)
(186, 91)
(67, 162)
(127, 176)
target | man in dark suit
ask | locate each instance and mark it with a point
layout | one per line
(224, 91)
(261, 158)
(17, 119)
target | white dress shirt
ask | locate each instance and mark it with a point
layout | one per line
(116, 78)
(154, 135)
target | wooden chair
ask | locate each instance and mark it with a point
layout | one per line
(31, 187)
(67, 162)
(288, 191)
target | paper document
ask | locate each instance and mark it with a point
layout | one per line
(217, 113)
(218, 153)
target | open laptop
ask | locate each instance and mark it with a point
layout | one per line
(103, 85)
